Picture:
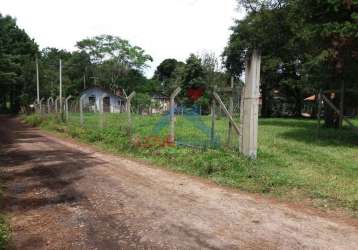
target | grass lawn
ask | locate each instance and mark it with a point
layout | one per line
(294, 163)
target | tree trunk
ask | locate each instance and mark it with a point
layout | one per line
(331, 118)
(266, 103)
(341, 105)
(298, 103)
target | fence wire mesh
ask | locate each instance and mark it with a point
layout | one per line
(195, 126)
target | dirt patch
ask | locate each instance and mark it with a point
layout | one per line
(60, 195)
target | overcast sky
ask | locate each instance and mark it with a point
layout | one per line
(164, 28)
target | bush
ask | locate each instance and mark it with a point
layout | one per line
(34, 120)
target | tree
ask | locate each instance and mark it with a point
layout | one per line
(169, 75)
(328, 30)
(74, 68)
(17, 53)
(114, 59)
(269, 30)
(197, 77)
(305, 45)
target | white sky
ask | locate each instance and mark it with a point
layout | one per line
(163, 28)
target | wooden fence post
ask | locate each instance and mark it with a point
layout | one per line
(129, 99)
(339, 112)
(227, 113)
(172, 115)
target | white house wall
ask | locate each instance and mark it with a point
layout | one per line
(98, 93)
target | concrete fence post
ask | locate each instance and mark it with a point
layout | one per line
(129, 99)
(49, 103)
(56, 104)
(172, 115)
(249, 109)
(213, 118)
(81, 109)
(66, 107)
(40, 103)
(231, 110)
(36, 105)
(101, 110)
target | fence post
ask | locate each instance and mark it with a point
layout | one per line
(81, 109)
(249, 109)
(129, 99)
(56, 103)
(231, 111)
(213, 118)
(41, 100)
(36, 106)
(50, 99)
(172, 115)
(101, 118)
(66, 106)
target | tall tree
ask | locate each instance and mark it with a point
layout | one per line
(169, 75)
(305, 45)
(17, 54)
(114, 58)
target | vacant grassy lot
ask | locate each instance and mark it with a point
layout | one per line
(294, 163)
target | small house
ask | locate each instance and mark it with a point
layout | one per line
(160, 104)
(111, 102)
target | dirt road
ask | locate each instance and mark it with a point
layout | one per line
(60, 195)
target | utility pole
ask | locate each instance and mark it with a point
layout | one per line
(37, 81)
(60, 86)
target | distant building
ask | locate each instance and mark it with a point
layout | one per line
(112, 102)
(160, 104)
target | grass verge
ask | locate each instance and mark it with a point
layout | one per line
(4, 229)
(293, 162)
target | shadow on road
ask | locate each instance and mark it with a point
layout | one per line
(37, 172)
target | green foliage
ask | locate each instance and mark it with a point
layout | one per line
(109, 61)
(198, 72)
(107, 48)
(142, 101)
(305, 45)
(16, 53)
(4, 233)
(4, 229)
(169, 74)
(33, 120)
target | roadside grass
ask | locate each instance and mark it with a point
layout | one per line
(294, 162)
(4, 232)
(4, 229)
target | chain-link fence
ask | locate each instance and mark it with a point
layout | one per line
(192, 124)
